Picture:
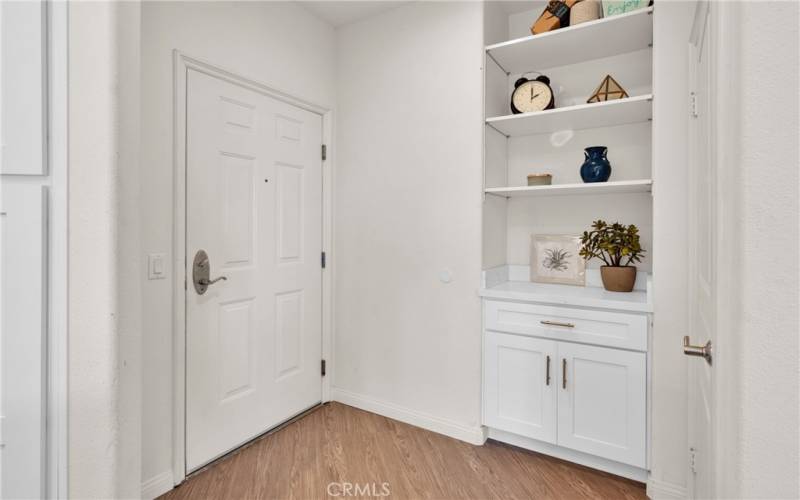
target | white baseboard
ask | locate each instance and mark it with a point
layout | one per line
(157, 485)
(659, 489)
(472, 435)
(619, 469)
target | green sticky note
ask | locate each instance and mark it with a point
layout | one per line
(615, 7)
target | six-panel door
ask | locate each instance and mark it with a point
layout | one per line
(520, 382)
(602, 402)
(253, 203)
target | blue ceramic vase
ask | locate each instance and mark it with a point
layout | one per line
(596, 168)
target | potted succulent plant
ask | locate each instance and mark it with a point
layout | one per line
(617, 245)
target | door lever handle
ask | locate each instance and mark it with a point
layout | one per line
(207, 282)
(697, 350)
(201, 269)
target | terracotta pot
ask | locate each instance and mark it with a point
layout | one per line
(618, 279)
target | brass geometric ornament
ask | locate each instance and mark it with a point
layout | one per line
(609, 89)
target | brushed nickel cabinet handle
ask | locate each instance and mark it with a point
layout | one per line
(547, 372)
(557, 323)
(564, 373)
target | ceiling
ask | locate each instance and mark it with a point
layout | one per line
(338, 13)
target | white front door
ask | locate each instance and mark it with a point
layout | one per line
(702, 254)
(253, 339)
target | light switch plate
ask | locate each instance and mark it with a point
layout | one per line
(156, 266)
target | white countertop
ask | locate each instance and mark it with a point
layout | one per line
(639, 300)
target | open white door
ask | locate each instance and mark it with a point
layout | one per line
(702, 257)
(254, 207)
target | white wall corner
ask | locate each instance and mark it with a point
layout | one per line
(659, 489)
(157, 485)
(473, 435)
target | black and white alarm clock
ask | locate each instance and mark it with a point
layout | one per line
(532, 95)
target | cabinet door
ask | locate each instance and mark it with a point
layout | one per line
(602, 402)
(520, 382)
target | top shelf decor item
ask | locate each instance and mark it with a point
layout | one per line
(555, 16)
(584, 11)
(617, 7)
(609, 89)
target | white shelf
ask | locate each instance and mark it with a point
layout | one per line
(592, 40)
(599, 114)
(615, 187)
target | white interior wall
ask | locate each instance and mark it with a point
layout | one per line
(766, 328)
(408, 208)
(103, 309)
(276, 43)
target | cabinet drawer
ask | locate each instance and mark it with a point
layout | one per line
(612, 329)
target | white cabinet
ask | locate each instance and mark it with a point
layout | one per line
(602, 400)
(543, 382)
(520, 385)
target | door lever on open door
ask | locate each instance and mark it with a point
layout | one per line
(697, 350)
(201, 270)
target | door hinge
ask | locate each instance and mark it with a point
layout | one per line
(694, 112)
(322, 368)
(324, 152)
(693, 460)
(323, 260)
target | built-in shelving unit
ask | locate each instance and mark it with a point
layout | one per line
(584, 42)
(529, 326)
(617, 187)
(599, 114)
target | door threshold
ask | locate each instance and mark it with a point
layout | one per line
(251, 442)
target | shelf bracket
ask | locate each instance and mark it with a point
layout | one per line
(495, 194)
(497, 63)
(496, 130)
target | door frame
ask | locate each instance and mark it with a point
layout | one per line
(725, 44)
(182, 63)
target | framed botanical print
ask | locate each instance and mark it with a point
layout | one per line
(556, 259)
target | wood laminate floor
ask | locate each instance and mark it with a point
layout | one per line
(336, 444)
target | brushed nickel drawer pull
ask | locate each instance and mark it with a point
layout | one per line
(547, 372)
(557, 323)
(564, 373)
